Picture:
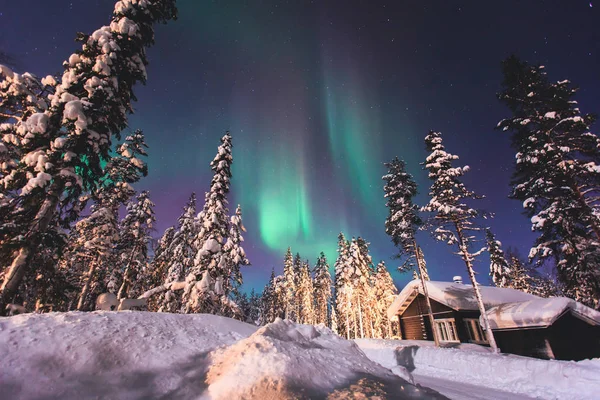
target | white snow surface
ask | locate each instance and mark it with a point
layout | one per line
(474, 365)
(141, 355)
(538, 313)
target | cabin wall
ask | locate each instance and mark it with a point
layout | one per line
(414, 322)
(574, 339)
(525, 342)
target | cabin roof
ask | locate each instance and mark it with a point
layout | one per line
(457, 296)
(538, 313)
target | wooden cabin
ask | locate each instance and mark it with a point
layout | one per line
(524, 324)
(554, 328)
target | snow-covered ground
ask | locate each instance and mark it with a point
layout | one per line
(139, 355)
(473, 372)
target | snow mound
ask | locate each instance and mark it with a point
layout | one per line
(142, 355)
(543, 379)
(287, 360)
(110, 355)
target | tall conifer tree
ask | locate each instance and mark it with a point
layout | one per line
(453, 219)
(557, 175)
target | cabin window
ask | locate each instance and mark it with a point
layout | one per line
(474, 330)
(446, 329)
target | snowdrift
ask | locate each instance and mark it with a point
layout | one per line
(475, 364)
(140, 355)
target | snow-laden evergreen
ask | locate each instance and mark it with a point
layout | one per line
(92, 251)
(343, 288)
(159, 265)
(322, 291)
(179, 256)
(499, 269)
(403, 218)
(385, 292)
(235, 254)
(61, 135)
(289, 279)
(453, 220)
(305, 295)
(132, 248)
(206, 281)
(557, 175)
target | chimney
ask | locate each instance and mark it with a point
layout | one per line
(457, 279)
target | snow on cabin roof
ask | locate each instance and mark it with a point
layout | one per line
(457, 296)
(538, 313)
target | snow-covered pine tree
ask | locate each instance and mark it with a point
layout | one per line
(402, 224)
(452, 218)
(289, 276)
(93, 242)
(403, 218)
(181, 254)
(499, 269)
(522, 276)
(74, 127)
(236, 256)
(211, 256)
(267, 306)
(159, 265)
(343, 288)
(385, 293)
(305, 295)
(322, 290)
(132, 248)
(557, 175)
(360, 280)
(254, 302)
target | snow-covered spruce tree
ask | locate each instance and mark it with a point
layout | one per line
(213, 232)
(403, 217)
(322, 290)
(557, 175)
(385, 293)
(159, 265)
(499, 269)
(361, 289)
(97, 235)
(343, 288)
(305, 295)
(267, 313)
(236, 256)
(179, 257)
(520, 275)
(62, 147)
(132, 248)
(289, 277)
(254, 302)
(452, 218)
(403, 222)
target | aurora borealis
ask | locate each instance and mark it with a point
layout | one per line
(317, 95)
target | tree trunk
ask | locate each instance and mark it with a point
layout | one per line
(15, 273)
(467, 259)
(426, 293)
(360, 319)
(86, 288)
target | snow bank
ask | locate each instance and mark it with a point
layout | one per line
(141, 355)
(109, 355)
(284, 357)
(522, 375)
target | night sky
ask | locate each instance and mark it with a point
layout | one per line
(317, 95)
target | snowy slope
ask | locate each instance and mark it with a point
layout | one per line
(476, 366)
(138, 355)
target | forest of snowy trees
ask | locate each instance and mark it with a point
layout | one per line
(353, 303)
(66, 176)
